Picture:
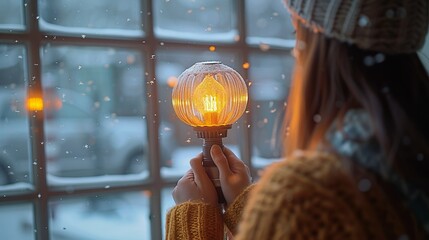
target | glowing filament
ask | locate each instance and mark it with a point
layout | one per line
(210, 104)
(209, 99)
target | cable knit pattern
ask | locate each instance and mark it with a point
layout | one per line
(313, 195)
(294, 201)
(234, 212)
(191, 220)
(388, 26)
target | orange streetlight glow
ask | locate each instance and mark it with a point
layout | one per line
(212, 48)
(172, 81)
(246, 65)
(34, 104)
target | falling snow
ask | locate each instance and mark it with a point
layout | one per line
(317, 118)
(107, 110)
(363, 21)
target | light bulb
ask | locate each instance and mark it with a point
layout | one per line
(210, 96)
(209, 99)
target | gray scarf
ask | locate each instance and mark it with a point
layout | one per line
(356, 141)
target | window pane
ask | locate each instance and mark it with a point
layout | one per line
(268, 21)
(177, 137)
(11, 15)
(205, 21)
(94, 115)
(166, 204)
(114, 216)
(95, 17)
(14, 128)
(16, 221)
(270, 75)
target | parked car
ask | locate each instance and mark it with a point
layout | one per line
(80, 139)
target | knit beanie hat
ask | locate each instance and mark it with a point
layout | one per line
(389, 26)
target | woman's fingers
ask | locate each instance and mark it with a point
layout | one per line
(234, 162)
(195, 185)
(180, 192)
(230, 154)
(234, 174)
(200, 175)
(220, 160)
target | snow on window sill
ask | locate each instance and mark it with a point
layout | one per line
(261, 163)
(85, 182)
(12, 28)
(271, 42)
(227, 37)
(88, 32)
(20, 187)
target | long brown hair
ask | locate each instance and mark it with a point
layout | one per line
(332, 77)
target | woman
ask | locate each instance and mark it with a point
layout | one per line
(357, 145)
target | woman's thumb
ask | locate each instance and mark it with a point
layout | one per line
(220, 160)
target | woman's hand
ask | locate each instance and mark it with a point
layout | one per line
(195, 185)
(233, 173)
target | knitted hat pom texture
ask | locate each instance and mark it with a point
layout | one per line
(388, 26)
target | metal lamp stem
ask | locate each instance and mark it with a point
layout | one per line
(212, 136)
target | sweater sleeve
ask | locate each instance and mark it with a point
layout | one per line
(234, 212)
(293, 200)
(191, 220)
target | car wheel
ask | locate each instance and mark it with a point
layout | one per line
(137, 163)
(4, 175)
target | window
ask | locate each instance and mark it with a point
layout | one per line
(88, 137)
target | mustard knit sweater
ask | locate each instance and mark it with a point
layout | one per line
(310, 196)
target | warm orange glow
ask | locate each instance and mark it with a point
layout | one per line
(212, 48)
(147, 193)
(246, 65)
(209, 99)
(53, 104)
(172, 81)
(34, 104)
(209, 94)
(58, 104)
(131, 59)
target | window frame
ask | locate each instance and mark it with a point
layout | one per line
(33, 39)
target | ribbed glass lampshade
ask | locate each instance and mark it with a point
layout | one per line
(209, 94)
